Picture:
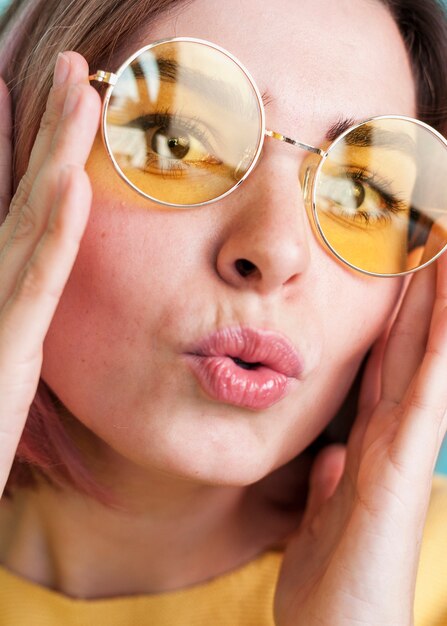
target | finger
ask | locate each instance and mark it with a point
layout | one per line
(77, 73)
(324, 478)
(370, 389)
(441, 288)
(408, 336)
(370, 392)
(25, 319)
(374, 379)
(5, 149)
(71, 145)
(423, 425)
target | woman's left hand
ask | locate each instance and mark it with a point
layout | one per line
(354, 559)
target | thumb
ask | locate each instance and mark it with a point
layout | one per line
(324, 477)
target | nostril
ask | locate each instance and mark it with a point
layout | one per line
(245, 268)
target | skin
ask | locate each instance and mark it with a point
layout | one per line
(147, 284)
(134, 331)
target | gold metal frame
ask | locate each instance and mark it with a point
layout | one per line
(111, 78)
(325, 155)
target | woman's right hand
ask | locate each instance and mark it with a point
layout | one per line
(40, 238)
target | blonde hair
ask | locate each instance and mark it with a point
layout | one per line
(33, 32)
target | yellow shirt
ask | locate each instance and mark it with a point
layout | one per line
(243, 597)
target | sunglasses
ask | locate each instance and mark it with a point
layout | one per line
(184, 125)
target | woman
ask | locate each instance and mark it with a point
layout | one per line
(146, 489)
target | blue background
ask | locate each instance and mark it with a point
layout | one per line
(442, 461)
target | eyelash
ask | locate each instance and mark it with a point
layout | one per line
(171, 168)
(166, 119)
(380, 185)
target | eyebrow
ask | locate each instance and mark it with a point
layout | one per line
(365, 136)
(227, 95)
(215, 89)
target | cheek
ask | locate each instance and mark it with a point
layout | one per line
(120, 274)
(360, 313)
(355, 311)
(126, 292)
(143, 285)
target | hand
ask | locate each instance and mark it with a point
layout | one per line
(355, 556)
(39, 240)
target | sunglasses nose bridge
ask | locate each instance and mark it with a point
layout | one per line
(303, 146)
(310, 171)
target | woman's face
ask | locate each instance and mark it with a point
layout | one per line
(150, 284)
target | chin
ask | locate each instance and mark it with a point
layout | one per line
(200, 457)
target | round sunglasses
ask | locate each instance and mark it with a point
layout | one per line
(184, 125)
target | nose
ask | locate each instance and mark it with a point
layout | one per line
(266, 244)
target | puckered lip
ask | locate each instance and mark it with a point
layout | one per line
(251, 346)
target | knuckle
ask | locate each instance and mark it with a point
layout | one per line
(400, 329)
(364, 503)
(398, 412)
(434, 350)
(32, 283)
(49, 120)
(54, 228)
(419, 403)
(395, 460)
(433, 412)
(27, 222)
(55, 149)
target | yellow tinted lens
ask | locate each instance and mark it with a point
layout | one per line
(381, 196)
(184, 123)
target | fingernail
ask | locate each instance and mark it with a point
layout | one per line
(71, 100)
(61, 70)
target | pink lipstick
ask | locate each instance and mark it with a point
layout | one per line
(245, 367)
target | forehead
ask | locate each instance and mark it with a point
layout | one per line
(319, 60)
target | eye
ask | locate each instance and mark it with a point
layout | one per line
(348, 193)
(170, 146)
(175, 142)
(359, 196)
(179, 144)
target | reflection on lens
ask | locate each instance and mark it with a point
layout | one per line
(183, 123)
(380, 196)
